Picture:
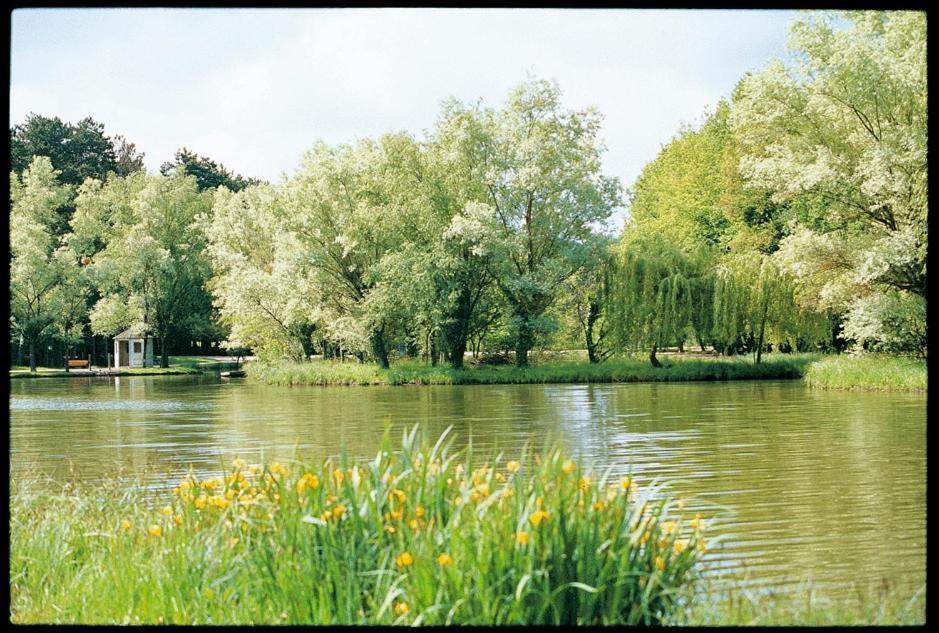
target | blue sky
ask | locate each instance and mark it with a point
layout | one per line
(254, 89)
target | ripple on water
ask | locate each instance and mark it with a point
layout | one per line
(69, 404)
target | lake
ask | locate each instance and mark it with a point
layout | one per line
(801, 484)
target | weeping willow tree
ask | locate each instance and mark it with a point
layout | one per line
(753, 304)
(651, 295)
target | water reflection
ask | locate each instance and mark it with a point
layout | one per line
(825, 485)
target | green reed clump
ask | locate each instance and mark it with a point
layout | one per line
(407, 372)
(424, 535)
(874, 372)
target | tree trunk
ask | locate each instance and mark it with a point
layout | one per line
(457, 352)
(32, 353)
(759, 344)
(523, 343)
(378, 347)
(593, 313)
(19, 352)
(652, 359)
(164, 357)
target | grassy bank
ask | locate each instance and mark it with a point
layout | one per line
(613, 370)
(868, 373)
(421, 535)
(78, 373)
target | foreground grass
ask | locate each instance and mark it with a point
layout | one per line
(614, 370)
(419, 536)
(868, 372)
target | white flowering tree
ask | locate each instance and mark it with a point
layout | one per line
(845, 124)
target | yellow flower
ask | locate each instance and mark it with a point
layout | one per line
(238, 463)
(599, 505)
(401, 608)
(668, 527)
(626, 483)
(419, 512)
(444, 559)
(168, 510)
(538, 516)
(680, 545)
(659, 563)
(325, 516)
(696, 522)
(126, 525)
(155, 530)
(522, 538)
(513, 466)
(339, 476)
(412, 524)
(457, 500)
(569, 467)
(584, 484)
(199, 502)
(398, 495)
(500, 477)
(338, 511)
(538, 502)
(404, 559)
(702, 547)
(178, 519)
(389, 529)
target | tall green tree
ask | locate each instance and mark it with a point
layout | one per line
(846, 123)
(258, 283)
(543, 174)
(46, 290)
(343, 209)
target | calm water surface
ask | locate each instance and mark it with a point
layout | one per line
(801, 484)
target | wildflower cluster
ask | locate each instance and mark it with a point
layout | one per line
(420, 533)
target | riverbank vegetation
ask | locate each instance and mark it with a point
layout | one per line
(868, 373)
(424, 535)
(779, 366)
(792, 217)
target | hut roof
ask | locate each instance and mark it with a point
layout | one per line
(134, 331)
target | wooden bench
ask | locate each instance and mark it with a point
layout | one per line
(77, 362)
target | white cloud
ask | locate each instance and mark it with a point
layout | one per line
(254, 89)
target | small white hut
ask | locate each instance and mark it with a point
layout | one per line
(133, 348)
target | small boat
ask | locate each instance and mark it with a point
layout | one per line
(235, 373)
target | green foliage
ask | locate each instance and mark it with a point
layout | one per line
(423, 535)
(151, 265)
(76, 151)
(652, 293)
(208, 173)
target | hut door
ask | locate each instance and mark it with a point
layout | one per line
(122, 361)
(136, 357)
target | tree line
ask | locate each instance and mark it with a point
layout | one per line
(793, 217)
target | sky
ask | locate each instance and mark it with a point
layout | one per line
(254, 89)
